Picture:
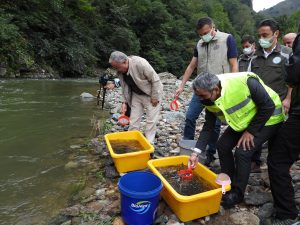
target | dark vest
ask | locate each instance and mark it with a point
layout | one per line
(271, 70)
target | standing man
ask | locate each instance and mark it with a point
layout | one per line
(268, 63)
(253, 112)
(216, 53)
(248, 45)
(141, 89)
(284, 151)
(288, 39)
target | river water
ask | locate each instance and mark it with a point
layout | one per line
(39, 121)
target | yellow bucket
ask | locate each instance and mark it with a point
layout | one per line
(129, 161)
(191, 207)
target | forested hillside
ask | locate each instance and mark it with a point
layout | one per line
(73, 37)
(283, 8)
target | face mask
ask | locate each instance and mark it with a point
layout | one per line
(207, 37)
(248, 51)
(266, 42)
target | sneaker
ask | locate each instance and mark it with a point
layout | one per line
(255, 168)
(209, 159)
(286, 222)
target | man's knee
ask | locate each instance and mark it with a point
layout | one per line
(243, 154)
(222, 148)
(192, 115)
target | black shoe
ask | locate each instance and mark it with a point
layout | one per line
(285, 222)
(209, 159)
(265, 145)
(230, 199)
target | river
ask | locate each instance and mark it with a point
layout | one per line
(39, 121)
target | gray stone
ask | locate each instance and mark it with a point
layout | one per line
(87, 192)
(258, 198)
(296, 177)
(71, 165)
(111, 172)
(109, 161)
(69, 222)
(118, 221)
(161, 219)
(100, 192)
(265, 178)
(58, 220)
(254, 180)
(173, 222)
(76, 220)
(175, 151)
(244, 218)
(95, 207)
(75, 146)
(72, 211)
(265, 211)
(88, 199)
(174, 116)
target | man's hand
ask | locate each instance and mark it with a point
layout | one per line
(109, 86)
(246, 140)
(154, 102)
(286, 105)
(193, 160)
(179, 91)
(123, 108)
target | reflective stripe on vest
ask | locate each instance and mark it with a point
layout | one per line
(238, 106)
(242, 104)
(277, 111)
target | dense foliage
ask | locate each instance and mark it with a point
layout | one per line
(73, 37)
(283, 8)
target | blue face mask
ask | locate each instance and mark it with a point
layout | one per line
(266, 42)
(207, 37)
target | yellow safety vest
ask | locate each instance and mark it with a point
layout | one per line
(235, 105)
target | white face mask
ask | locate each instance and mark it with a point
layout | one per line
(248, 51)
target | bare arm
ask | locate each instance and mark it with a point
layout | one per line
(187, 74)
(233, 65)
(286, 103)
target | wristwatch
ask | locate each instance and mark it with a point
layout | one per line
(197, 151)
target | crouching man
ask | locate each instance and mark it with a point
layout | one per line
(253, 112)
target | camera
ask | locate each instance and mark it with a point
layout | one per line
(103, 79)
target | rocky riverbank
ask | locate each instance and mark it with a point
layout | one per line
(99, 201)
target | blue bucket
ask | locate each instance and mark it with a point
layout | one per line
(140, 192)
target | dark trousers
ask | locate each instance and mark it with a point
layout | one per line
(283, 152)
(238, 165)
(194, 110)
(256, 156)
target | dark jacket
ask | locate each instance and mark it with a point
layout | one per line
(271, 70)
(293, 76)
(244, 61)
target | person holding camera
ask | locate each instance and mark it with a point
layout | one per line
(142, 90)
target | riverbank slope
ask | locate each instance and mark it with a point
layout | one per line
(99, 201)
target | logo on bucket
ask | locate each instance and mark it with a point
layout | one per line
(140, 207)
